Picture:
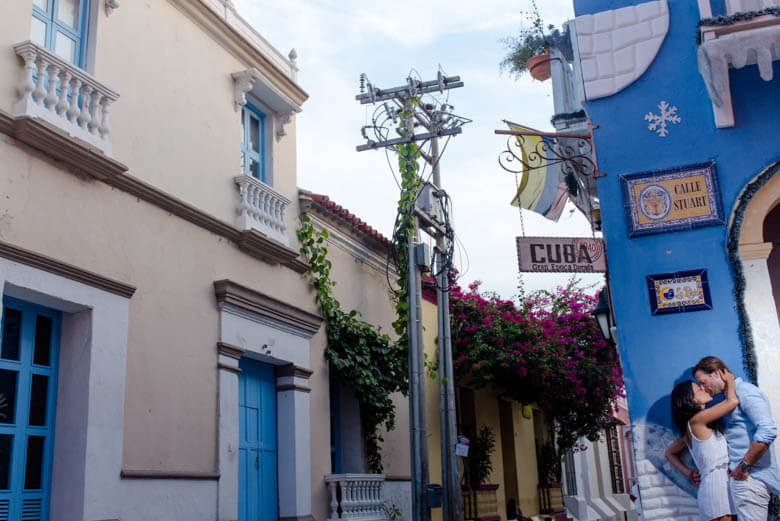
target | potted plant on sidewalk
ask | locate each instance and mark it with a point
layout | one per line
(529, 51)
(480, 498)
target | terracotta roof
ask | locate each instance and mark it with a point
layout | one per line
(325, 205)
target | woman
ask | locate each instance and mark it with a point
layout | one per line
(699, 433)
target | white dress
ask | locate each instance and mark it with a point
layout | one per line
(712, 459)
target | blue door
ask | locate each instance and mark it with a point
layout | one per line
(257, 483)
(29, 349)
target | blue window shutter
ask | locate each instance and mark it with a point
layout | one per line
(29, 336)
(253, 146)
(77, 34)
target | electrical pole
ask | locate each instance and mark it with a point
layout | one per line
(438, 121)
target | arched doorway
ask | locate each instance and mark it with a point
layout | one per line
(772, 236)
(756, 227)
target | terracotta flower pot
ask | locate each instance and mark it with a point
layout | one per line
(539, 66)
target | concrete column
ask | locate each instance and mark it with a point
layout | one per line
(760, 306)
(294, 443)
(227, 494)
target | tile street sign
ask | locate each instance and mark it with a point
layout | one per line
(561, 255)
(669, 200)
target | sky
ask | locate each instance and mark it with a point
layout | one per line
(337, 40)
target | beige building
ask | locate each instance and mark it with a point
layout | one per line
(161, 351)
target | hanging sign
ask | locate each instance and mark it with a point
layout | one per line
(561, 255)
(669, 200)
(679, 292)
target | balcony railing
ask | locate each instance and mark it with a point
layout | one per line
(357, 497)
(262, 208)
(64, 95)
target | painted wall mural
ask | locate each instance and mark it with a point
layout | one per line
(651, 228)
(618, 45)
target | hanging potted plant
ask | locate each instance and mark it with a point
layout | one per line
(530, 49)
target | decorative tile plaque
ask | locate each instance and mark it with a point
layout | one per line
(670, 200)
(679, 292)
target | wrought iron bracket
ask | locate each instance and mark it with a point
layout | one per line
(576, 153)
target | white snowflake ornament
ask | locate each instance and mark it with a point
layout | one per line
(658, 121)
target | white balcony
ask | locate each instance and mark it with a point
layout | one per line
(357, 497)
(754, 40)
(261, 208)
(69, 98)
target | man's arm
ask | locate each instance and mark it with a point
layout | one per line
(756, 408)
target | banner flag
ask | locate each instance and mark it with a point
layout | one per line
(542, 187)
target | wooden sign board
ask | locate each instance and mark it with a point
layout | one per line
(561, 255)
(670, 200)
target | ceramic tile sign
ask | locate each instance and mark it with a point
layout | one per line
(670, 200)
(561, 255)
(679, 292)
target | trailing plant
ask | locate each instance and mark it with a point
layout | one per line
(548, 350)
(408, 154)
(481, 449)
(358, 353)
(734, 18)
(533, 40)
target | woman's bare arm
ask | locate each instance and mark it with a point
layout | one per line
(673, 453)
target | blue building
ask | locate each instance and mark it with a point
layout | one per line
(686, 100)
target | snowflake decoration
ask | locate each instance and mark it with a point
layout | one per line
(658, 121)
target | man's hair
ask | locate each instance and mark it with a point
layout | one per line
(709, 364)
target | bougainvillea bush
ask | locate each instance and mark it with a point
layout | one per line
(548, 350)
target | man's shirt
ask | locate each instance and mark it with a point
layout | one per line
(752, 421)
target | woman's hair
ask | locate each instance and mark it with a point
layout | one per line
(684, 408)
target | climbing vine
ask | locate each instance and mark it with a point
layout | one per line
(408, 154)
(358, 353)
(373, 364)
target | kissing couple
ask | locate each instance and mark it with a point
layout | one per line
(731, 443)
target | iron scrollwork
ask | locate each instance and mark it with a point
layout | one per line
(573, 153)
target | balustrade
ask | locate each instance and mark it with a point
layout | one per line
(357, 497)
(57, 91)
(262, 208)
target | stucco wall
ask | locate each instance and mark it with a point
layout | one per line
(362, 286)
(171, 370)
(525, 456)
(174, 124)
(658, 351)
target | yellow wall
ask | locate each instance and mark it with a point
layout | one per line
(430, 332)
(486, 404)
(525, 448)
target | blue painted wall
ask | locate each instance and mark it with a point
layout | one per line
(658, 351)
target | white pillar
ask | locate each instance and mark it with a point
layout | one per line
(760, 306)
(227, 494)
(294, 443)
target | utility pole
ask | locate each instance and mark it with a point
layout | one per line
(438, 121)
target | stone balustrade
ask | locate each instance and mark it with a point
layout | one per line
(356, 497)
(262, 208)
(66, 96)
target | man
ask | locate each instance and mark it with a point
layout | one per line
(750, 431)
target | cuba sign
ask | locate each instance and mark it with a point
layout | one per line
(561, 255)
